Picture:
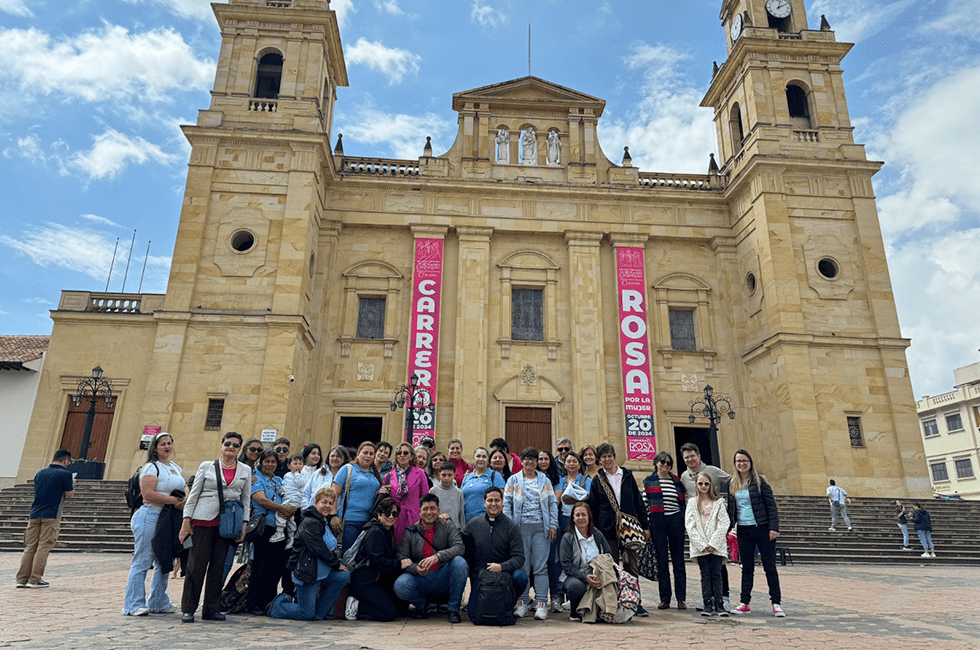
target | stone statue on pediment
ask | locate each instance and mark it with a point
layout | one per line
(503, 146)
(529, 145)
(554, 149)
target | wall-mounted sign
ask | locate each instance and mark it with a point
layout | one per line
(269, 435)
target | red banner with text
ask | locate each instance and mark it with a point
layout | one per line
(641, 443)
(423, 348)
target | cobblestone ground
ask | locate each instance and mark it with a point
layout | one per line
(842, 606)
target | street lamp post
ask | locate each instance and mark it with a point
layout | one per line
(92, 388)
(712, 407)
(417, 400)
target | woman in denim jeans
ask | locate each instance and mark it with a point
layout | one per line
(529, 501)
(158, 478)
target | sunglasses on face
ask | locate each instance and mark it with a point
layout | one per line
(564, 449)
(280, 450)
(255, 450)
(232, 443)
(404, 453)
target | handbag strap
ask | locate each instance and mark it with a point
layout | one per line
(221, 488)
(609, 492)
(343, 520)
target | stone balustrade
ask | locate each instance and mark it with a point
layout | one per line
(110, 303)
(961, 393)
(263, 105)
(806, 136)
(279, 4)
(697, 182)
(379, 167)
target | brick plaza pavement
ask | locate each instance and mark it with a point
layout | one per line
(828, 606)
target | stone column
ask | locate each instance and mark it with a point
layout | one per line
(588, 372)
(471, 393)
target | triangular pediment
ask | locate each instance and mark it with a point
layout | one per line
(529, 92)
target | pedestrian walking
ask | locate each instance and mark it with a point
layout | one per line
(838, 505)
(52, 486)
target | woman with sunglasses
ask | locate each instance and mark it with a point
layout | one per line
(251, 451)
(376, 567)
(665, 498)
(205, 563)
(752, 510)
(408, 484)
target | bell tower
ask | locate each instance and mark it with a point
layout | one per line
(814, 314)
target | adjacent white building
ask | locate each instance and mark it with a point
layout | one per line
(21, 358)
(950, 425)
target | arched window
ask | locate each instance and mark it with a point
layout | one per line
(735, 124)
(268, 76)
(799, 107)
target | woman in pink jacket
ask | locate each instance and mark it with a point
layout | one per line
(408, 484)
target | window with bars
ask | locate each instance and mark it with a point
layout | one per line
(682, 329)
(854, 431)
(527, 314)
(216, 408)
(939, 472)
(371, 318)
(930, 428)
(954, 422)
(964, 468)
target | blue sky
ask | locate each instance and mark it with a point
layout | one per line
(94, 91)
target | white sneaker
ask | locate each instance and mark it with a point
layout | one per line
(521, 610)
(778, 611)
(350, 611)
(169, 609)
(278, 537)
(555, 605)
(541, 613)
(849, 528)
(932, 554)
(566, 606)
(142, 611)
(926, 554)
(832, 529)
(728, 604)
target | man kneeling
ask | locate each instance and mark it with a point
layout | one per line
(494, 543)
(438, 568)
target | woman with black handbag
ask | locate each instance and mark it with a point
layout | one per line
(220, 486)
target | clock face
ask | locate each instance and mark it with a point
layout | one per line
(736, 29)
(779, 8)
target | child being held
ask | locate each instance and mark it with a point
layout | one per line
(292, 485)
(707, 522)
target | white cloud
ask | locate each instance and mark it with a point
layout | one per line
(15, 8)
(487, 16)
(197, 9)
(404, 134)
(112, 151)
(103, 65)
(100, 220)
(392, 62)
(960, 19)
(855, 20)
(343, 9)
(389, 6)
(28, 148)
(667, 130)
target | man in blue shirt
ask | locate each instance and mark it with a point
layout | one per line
(51, 486)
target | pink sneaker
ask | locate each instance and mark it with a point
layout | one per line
(778, 611)
(743, 608)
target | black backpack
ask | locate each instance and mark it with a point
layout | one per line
(494, 602)
(134, 496)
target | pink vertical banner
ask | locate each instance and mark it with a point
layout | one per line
(641, 443)
(423, 347)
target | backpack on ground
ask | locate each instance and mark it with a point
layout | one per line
(494, 601)
(134, 496)
(234, 597)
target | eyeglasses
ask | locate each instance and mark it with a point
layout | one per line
(254, 450)
(232, 443)
(741, 462)
(280, 450)
(404, 453)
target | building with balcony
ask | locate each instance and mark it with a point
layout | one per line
(951, 435)
(535, 287)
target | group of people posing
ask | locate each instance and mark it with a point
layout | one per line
(401, 529)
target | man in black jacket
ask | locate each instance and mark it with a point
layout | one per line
(493, 542)
(619, 481)
(438, 568)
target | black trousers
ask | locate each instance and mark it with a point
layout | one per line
(205, 569)
(268, 566)
(668, 536)
(712, 567)
(376, 595)
(750, 538)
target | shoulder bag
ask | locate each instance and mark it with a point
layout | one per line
(629, 530)
(232, 512)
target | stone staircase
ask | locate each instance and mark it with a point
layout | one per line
(95, 520)
(804, 523)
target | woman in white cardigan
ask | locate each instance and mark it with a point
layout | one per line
(706, 521)
(205, 565)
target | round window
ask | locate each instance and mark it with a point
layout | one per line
(750, 283)
(242, 241)
(828, 268)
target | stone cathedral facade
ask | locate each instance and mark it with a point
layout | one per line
(535, 288)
